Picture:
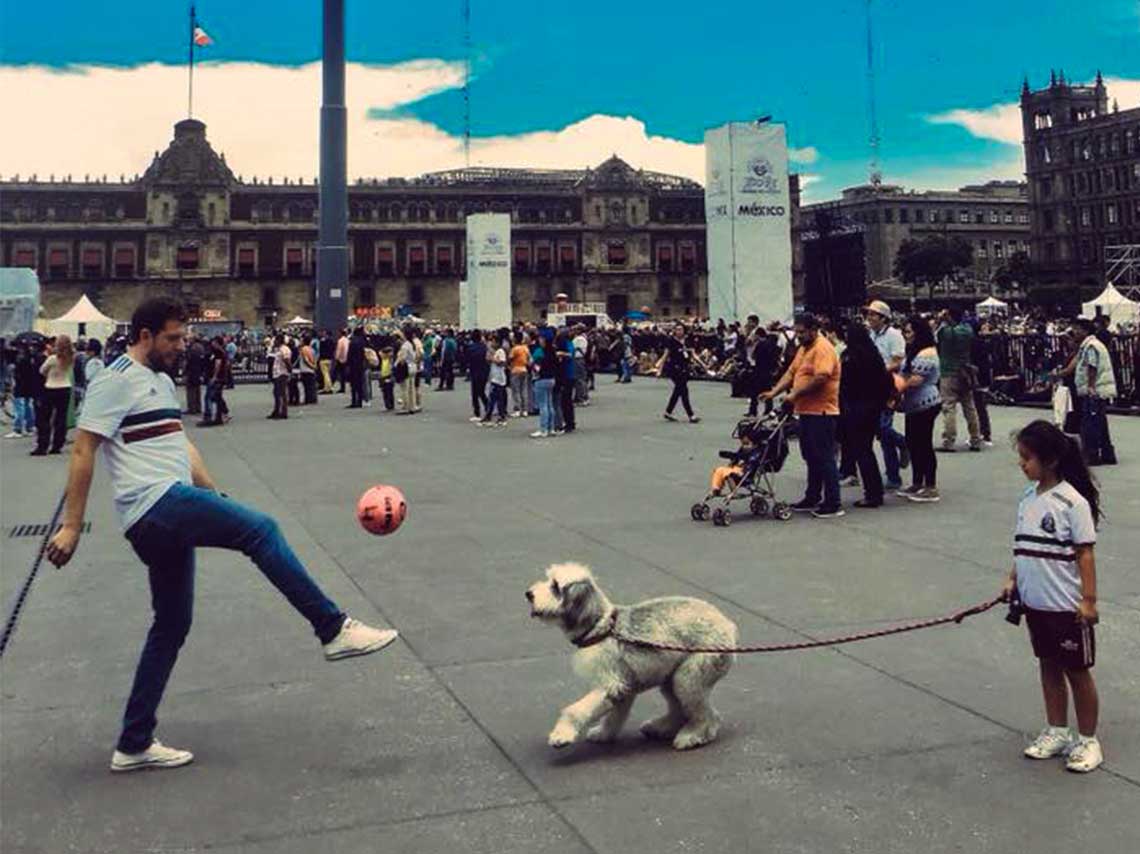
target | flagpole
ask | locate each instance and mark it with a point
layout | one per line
(190, 92)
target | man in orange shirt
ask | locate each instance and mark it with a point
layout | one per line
(813, 378)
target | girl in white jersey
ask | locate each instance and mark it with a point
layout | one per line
(1054, 574)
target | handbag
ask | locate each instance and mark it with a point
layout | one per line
(401, 372)
(1062, 405)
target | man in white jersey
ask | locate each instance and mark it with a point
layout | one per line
(168, 505)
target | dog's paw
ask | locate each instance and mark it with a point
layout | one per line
(563, 735)
(660, 729)
(692, 737)
(600, 734)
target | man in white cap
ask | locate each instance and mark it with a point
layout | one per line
(892, 348)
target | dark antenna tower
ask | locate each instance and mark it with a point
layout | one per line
(876, 173)
(467, 82)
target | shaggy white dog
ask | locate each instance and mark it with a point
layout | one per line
(619, 671)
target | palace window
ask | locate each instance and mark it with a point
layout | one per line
(187, 258)
(385, 261)
(999, 250)
(979, 217)
(1048, 220)
(417, 262)
(92, 263)
(888, 215)
(1110, 213)
(567, 258)
(1022, 217)
(125, 261)
(904, 215)
(58, 263)
(964, 217)
(24, 257)
(294, 262)
(919, 215)
(982, 250)
(665, 258)
(443, 263)
(688, 258)
(542, 258)
(522, 258)
(246, 262)
(615, 254)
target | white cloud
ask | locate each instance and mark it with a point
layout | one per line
(1002, 122)
(97, 120)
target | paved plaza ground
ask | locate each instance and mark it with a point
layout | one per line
(904, 744)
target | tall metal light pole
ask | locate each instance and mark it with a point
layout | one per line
(332, 245)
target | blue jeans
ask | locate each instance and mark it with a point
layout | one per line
(23, 414)
(185, 518)
(544, 395)
(891, 440)
(817, 445)
(625, 370)
(427, 368)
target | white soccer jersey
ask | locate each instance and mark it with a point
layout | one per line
(136, 412)
(1049, 527)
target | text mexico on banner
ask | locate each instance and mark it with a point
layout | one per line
(489, 270)
(747, 210)
(465, 312)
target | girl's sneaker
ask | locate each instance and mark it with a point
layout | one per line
(1085, 755)
(908, 491)
(1052, 741)
(539, 434)
(928, 495)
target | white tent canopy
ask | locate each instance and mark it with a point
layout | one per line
(991, 304)
(1114, 305)
(82, 320)
(299, 321)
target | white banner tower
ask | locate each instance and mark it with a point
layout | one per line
(488, 293)
(748, 216)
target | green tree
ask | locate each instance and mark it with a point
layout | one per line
(931, 259)
(1017, 270)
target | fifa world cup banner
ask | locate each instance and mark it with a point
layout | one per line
(748, 222)
(489, 270)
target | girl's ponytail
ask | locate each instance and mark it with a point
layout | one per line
(1054, 448)
(1075, 470)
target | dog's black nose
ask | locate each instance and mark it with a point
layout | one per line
(529, 596)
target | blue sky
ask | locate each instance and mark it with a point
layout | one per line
(678, 68)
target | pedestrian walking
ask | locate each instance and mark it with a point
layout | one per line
(892, 347)
(677, 363)
(168, 506)
(865, 386)
(282, 358)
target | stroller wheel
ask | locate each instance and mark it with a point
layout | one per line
(781, 511)
(697, 511)
(759, 506)
(722, 517)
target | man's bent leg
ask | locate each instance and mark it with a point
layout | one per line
(207, 519)
(949, 390)
(171, 569)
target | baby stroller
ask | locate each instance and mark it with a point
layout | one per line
(763, 449)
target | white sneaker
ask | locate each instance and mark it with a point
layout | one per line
(158, 755)
(14, 435)
(1052, 741)
(1085, 755)
(474, 419)
(356, 638)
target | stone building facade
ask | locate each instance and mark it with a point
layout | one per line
(1082, 161)
(245, 250)
(993, 218)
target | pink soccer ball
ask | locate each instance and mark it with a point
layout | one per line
(382, 509)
